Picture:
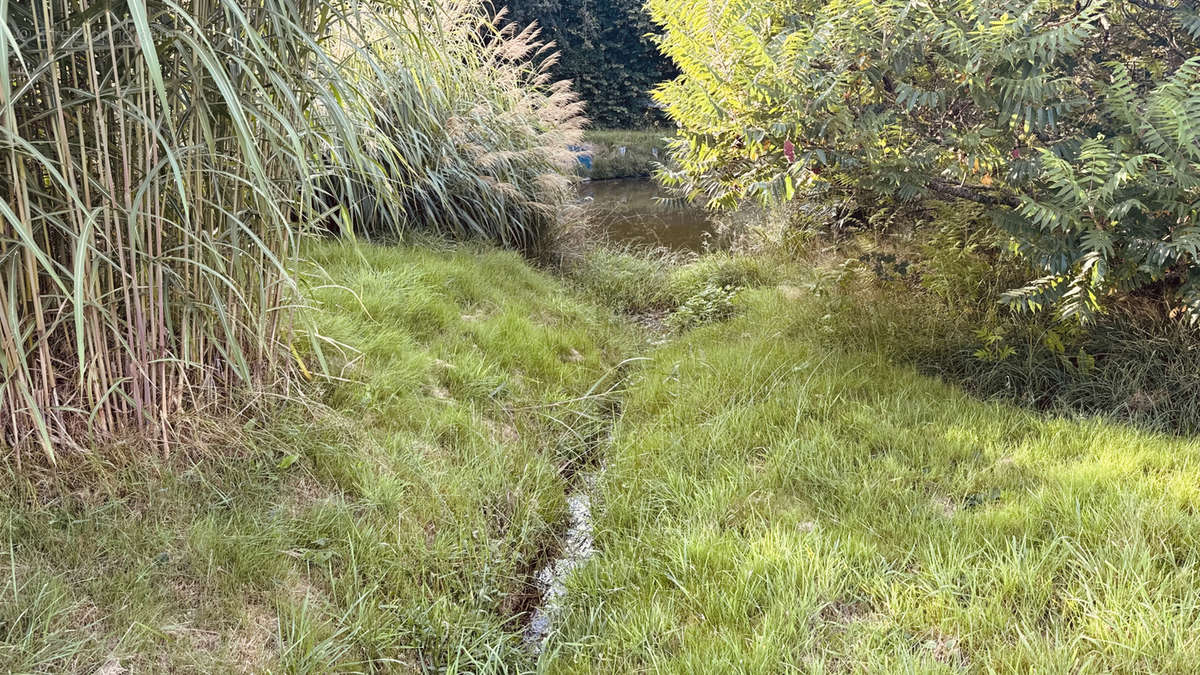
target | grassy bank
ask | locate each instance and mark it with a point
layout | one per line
(397, 528)
(769, 500)
(771, 503)
(643, 148)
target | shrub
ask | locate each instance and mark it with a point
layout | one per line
(1076, 125)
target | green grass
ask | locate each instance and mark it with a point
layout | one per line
(775, 496)
(638, 159)
(771, 504)
(634, 281)
(395, 529)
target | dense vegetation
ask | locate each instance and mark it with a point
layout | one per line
(163, 160)
(1075, 123)
(605, 53)
(483, 442)
(767, 497)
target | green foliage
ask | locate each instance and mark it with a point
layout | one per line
(1076, 124)
(604, 53)
(152, 183)
(774, 480)
(710, 304)
(1130, 364)
(721, 270)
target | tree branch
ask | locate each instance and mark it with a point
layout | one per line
(976, 194)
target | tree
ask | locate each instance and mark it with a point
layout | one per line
(605, 52)
(1075, 123)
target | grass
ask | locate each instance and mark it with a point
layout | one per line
(643, 149)
(772, 504)
(158, 184)
(397, 529)
(777, 494)
(635, 281)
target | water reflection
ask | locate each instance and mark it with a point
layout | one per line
(629, 211)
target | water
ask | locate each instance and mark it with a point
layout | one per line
(629, 211)
(578, 548)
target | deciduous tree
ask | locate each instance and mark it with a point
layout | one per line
(1076, 123)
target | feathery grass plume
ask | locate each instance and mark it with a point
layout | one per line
(150, 157)
(161, 159)
(469, 135)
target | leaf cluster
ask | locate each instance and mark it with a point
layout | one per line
(1076, 124)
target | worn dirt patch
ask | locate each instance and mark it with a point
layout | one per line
(252, 646)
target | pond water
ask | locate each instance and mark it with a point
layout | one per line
(630, 211)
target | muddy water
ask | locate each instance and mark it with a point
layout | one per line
(630, 211)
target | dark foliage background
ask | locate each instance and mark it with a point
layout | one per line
(605, 52)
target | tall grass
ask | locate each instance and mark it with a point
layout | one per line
(468, 130)
(161, 159)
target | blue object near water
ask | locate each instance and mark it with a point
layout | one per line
(583, 155)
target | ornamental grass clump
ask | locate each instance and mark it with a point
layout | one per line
(163, 158)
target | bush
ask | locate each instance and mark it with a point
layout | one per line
(1076, 125)
(718, 270)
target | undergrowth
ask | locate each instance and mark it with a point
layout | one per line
(925, 287)
(1132, 365)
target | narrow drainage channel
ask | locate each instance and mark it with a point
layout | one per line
(577, 544)
(578, 547)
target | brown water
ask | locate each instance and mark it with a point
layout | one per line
(630, 212)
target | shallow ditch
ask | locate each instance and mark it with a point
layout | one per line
(578, 546)
(583, 470)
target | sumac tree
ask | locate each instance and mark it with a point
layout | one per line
(1075, 123)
